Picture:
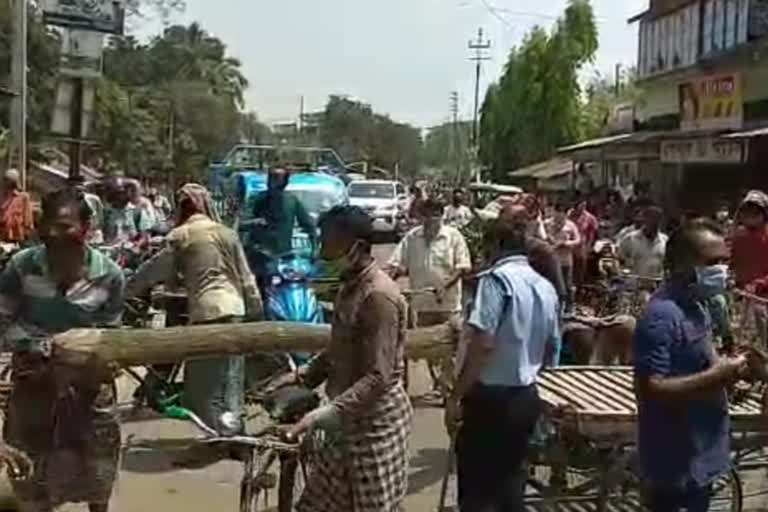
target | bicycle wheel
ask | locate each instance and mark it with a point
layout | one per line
(292, 482)
(727, 493)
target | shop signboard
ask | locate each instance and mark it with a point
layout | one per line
(711, 103)
(81, 53)
(702, 151)
(97, 15)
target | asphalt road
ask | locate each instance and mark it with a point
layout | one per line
(149, 480)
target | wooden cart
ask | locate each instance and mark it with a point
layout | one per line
(584, 455)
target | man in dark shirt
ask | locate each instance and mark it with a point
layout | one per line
(276, 212)
(680, 381)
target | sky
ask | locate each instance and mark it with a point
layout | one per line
(404, 57)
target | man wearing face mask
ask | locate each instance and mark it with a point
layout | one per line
(680, 382)
(365, 467)
(433, 255)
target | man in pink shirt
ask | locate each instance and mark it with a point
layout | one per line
(563, 234)
(588, 227)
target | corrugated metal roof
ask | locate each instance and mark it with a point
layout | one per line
(594, 143)
(757, 132)
(544, 170)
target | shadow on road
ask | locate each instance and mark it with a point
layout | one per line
(168, 455)
(427, 468)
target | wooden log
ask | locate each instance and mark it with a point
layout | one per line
(138, 347)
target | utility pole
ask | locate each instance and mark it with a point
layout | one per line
(618, 80)
(480, 48)
(19, 86)
(455, 134)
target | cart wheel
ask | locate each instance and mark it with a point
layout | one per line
(727, 493)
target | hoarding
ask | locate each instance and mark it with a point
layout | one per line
(711, 103)
(97, 15)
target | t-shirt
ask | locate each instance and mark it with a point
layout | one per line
(281, 211)
(749, 255)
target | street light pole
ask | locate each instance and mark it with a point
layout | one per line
(19, 86)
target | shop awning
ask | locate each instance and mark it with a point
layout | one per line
(544, 170)
(757, 132)
(594, 143)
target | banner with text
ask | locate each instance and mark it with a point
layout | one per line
(711, 103)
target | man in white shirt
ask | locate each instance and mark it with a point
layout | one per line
(457, 214)
(642, 251)
(433, 255)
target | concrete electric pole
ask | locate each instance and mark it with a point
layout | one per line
(455, 142)
(480, 48)
(18, 119)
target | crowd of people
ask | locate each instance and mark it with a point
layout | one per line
(509, 298)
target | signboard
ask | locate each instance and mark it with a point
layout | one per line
(700, 151)
(711, 103)
(61, 122)
(81, 53)
(97, 15)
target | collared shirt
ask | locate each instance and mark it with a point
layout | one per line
(644, 257)
(365, 356)
(457, 216)
(588, 228)
(35, 307)
(431, 263)
(281, 211)
(520, 308)
(211, 259)
(673, 339)
(96, 229)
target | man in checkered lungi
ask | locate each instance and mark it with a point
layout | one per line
(364, 466)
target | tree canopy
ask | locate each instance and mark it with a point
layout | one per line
(536, 104)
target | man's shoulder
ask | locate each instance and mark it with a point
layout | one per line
(28, 261)
(662, 308)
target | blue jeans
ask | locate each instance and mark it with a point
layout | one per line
(692, 498)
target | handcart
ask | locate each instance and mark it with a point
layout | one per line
(584, 452)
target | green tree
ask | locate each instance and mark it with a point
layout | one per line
(602, 100)
(536, 104)
(446, 148)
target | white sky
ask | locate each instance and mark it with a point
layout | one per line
(402, 56)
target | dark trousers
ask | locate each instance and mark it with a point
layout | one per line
(692, 498)
(568, 281)
(491, 447)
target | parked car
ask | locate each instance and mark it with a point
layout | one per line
(386, 201)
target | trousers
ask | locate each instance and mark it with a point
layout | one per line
(491, 447)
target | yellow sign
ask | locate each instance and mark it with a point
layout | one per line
(711, 103)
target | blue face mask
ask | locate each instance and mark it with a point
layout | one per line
(711, 280)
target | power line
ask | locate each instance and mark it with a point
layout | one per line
(495, 11)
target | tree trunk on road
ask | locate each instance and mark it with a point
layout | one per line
(139, 347)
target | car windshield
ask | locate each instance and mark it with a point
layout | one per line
(372, 190)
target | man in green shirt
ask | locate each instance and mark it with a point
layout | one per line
(276, 212)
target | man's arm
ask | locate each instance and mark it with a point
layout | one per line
(379, 335)
(483, 323)
(396, 264)
(157, 269)
(112, 310)
(651, 355)
(254, 308)
(462, 262)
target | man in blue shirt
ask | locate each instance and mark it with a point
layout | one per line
(512, 325)
(680, 382)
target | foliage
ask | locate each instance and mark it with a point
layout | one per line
(602, 101)
(446, 147)
(536, 104)
(358, 133)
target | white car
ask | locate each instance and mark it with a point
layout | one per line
(385, 201)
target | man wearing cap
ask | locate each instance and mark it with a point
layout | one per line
(16, 218)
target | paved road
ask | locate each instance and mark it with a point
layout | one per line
(149, 481)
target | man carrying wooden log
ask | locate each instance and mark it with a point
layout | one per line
(221, 289)
(67, 423)
(365, 468)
